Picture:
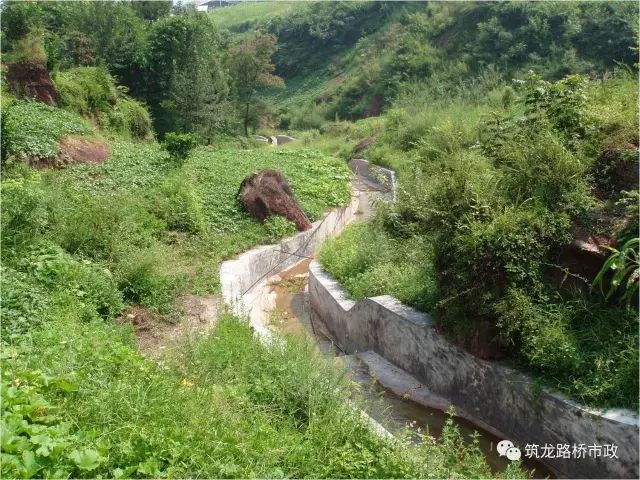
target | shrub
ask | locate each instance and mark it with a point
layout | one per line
(92, 91)
(24, 214)
(30, 48)
(141, 280)
(179, 145)
(179, 206)
(45, 280)
(311, 117)
(130, 118)
(86, 90)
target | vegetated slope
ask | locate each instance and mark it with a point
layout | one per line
(503, 205)
(352, 59)
(79, 400)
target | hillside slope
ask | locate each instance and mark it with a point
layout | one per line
(352, 59)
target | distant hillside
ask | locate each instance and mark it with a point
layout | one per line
(352, 59)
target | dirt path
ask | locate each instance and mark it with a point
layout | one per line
(156, 335)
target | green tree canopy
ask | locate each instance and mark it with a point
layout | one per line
(251, 68)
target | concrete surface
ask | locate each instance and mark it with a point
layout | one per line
(244, 279)
(488, 393)
(374, 176)
(282, 139)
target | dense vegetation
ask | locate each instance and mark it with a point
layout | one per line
(496, 178)
(353, 59)
(144, 228)
(490, 198)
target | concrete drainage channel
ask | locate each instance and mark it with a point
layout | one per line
(244, 280)
(268, 285)
(399, 347)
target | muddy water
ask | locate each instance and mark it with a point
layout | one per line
(291, 316)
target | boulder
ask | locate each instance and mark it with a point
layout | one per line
(267, 193)
(31, 81)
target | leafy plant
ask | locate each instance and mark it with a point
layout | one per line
(33, 129)
(179, 145)
(278, 227)
(624, 268)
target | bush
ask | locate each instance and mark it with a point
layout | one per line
(24, 214)
(130, 118)
(30, 48)
(179, 145)
(46, 280)
(138, 272)
(92, 91)
(179, 206)
(86, 90)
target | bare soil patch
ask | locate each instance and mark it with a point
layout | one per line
(155, 333)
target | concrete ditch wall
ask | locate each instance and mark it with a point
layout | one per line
(243, 279)
(488, 393)
(381, 179)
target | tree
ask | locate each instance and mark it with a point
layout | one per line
(251, 68)
(187, 87)
(151, 10)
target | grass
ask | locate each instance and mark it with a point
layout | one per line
(240, 16)
(402, 267)
(172, 226)
(80, 401)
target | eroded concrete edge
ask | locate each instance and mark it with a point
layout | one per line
(489, 394)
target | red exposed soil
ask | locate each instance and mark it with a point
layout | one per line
(580, 262)
(74, 149)
(267, 193)
(83, 150)
(31, 81)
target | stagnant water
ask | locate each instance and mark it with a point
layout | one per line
(291, 315)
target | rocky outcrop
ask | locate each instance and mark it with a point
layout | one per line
(28, 80)
(267, 193)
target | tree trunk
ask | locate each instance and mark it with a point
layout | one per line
(246, 121)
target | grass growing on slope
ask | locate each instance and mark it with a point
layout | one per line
(319, 182)
(80, 401)
(490, 198)
(161, 230)
(242, 15)
(368, 261)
